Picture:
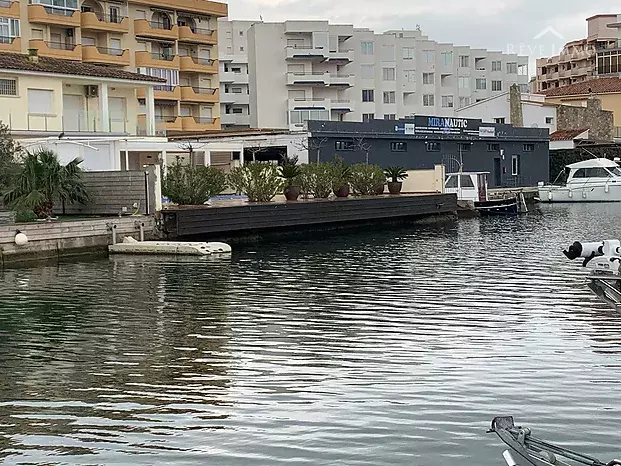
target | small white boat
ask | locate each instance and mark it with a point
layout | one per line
(596, 180)
(160, 248)
(472, 187)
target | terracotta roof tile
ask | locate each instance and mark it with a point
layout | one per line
(17, 61)
(595, 86)
(567, 135)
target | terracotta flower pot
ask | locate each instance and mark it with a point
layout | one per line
(394, 187)
(379, 189)
(292, 193)
(343, 191)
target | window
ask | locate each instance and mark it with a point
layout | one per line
(388, 74)
(447, 101)
(241, 48)
(389, 97)
(299, 117)
(366, 48)
(368, 95)
(59, 4)
(40, 102)
(529, 147)
(463, 82)
(429, 100)
(500, 120)
(344, 145)
(464, 102)
(464, 146)
(466, 181)
(580, 173)
(241, 33)
(493, 147)
(596, 173)
(512, 68)
(408, 53)
(9, 29)
(237, 110)
(368, 116)
(447, 58)
(481, 84)
(523, 70)
(515, 165)
(549, 120)
(432, 146)
(452, 182)
(236, 90)
(390, 116)
(496, 85)
(398, 146)
(409, 76)
(464, 61)
(171, 76)
(8, 86)
(496, 65)
(428, 78)
(367, 71)
(429, 56)
(524, 88)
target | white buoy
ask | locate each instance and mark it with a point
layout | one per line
(21, 239)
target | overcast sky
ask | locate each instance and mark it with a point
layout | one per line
(506, 25)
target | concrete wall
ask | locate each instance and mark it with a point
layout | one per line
(55, 240)
(113, 191)
(600, 123)
(425, 181)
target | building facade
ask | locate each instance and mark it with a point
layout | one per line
(513, 156)
(301, 70)
(171, 39)
(595, 56)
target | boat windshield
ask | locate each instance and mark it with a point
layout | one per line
(616, 171)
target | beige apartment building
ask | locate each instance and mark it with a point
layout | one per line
(175, 40)
(583, 59)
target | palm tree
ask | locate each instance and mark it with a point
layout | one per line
(43, 180)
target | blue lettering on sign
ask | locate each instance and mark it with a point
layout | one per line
(400, 129)
(447, 123)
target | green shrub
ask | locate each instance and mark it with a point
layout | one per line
(396, 174)
(366, 178)
(259, 181)
(191, 184)
(290, 171)
(317, 180)
(341, 173)
(24, 216)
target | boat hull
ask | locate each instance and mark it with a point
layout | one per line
(500, 207)
(599, 193)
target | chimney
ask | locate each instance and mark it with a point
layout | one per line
(33, 55)
(515, 106)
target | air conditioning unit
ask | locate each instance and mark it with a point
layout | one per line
(91, 91)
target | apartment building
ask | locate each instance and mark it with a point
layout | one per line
(301, 70)
(171, 39)
(580, 60)
(234, 88)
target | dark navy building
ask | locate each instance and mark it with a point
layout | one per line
(513, 156)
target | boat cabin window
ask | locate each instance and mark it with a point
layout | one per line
(598, 172)
(466, 181)
(616, 171)
(451, 182)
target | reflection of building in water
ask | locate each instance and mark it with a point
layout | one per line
(113, 341)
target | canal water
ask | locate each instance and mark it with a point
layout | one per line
(375, 348)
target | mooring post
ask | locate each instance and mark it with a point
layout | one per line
(112, 227)
(140, 225)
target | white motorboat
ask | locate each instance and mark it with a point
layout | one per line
(595, 180)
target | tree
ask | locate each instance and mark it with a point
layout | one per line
(312, 145)
(42, 179)
(8, 151)
(363, 146)
(192, 184)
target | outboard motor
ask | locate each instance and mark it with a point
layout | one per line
(589, 251)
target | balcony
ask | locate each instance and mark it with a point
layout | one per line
(345, 56)
(56, 49)
(200, 94)
(155, 29)
(342, 80)
(104, 23)
(197, 124)
(235, 119)
(197, 36)
(235, 98)
(319, 78)
(105, 56)
(157, 60)
(53, 15)
(217, 9)
(340, 105)
(10, 44)
(167, 123)
(308, 103)
(230, 77)
(198, 65)
(9, 9)
(298, 52)
(161, 93)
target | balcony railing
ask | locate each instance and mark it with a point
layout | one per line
(106, 18)
(110, 51)
(161, 25)
(309, 99)
(204, 90)
(5, 4)
(52, 10)
(166, 88)
(6, 39)
(204, 120)
(165, 118)
(204, 32)
(162, 56)
(60, 45)
(202, 61)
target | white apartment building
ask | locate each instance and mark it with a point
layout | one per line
(233, 58)
(301, 70)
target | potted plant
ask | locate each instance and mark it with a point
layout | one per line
(341, 178)
(395, 176)
(291, 172)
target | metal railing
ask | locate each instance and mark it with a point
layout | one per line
(165, 87)
(106, 18)
(110, 51)
(6, 40)
(165, 118)
(52, 10)
(204, 90)
(312, 73)
(204, 32)
(340, 101)
(162, 56)
(204, 120)
(160, 25)
(5, 4)
(309, 99)
(60, 45)
(303, 47)
(202, 61)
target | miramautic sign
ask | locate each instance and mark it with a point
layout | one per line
(446, 125)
